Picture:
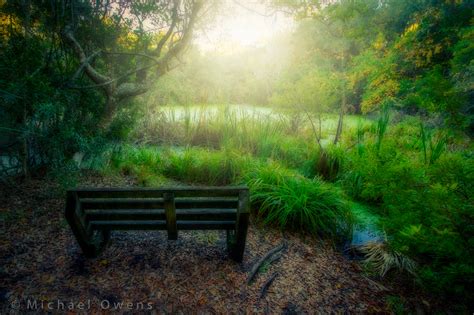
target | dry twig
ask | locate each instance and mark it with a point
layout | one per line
(256, 267)
(267, 285)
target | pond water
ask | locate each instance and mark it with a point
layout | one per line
(194, 112)
(365, 230)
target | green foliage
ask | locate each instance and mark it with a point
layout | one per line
(432, 147)
(205, 167)
(396, 305)
(423, 206)
(283, 197)
(416, 56)
(381, 259)
(66, 175)
(53, 121)
(382, 124)
(244, 130)
(246, 76)
(377, 74)
(426, 208)
(291, 201)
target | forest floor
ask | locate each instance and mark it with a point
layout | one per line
(41, 261)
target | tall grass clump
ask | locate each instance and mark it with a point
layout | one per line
(382, 124)
(325, 163)
(288, 200)
(143, 163)
(431, 148)
(201, 166)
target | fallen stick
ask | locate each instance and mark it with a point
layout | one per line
(377, 285)
(267, 284)
(259, 263)
(274, 258)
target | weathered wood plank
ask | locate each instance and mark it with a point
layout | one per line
(125, 214)
(78, 228)
(122, 203)
(75, 224)
(189, 203)
(206, 214)
(129, 225)
(179, 191)
(157, 203)
(241, 226)
(161, 225)
(170, 211)
(205, 225)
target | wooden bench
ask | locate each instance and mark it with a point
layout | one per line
(93, 212)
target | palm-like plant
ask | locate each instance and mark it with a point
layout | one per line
(382, 258)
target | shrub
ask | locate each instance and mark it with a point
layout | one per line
(291, 201)
(427, 211)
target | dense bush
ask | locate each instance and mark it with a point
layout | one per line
(426, 207)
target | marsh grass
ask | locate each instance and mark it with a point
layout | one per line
(423, 201)
(280, 196)
(291, 201)
(282, 137)
(432, 147)
(382, 125)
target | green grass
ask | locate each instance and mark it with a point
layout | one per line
(291, 201)
(280, 196)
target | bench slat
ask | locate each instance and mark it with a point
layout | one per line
(157, 203)
(206, 214)
(155, 193)
(106, 203)
(188, 203)
(161, 225)
(125, 214)
(205, 225)
(129, 225)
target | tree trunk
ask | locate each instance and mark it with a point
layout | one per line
(24, 141)
(343, 102)
(341, 116)
(109, 112)
(25, 153)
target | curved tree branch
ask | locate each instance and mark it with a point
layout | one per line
(93, 74)
(174, 21)
(115, 89)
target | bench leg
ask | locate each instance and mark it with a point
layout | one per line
(236, 239)
(96, 244)
(230, 240)
(92, 243)
(100, 240)
(237, 246)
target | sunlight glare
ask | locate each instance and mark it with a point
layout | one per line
(243, 24)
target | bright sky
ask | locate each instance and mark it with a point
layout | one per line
(242, 24)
